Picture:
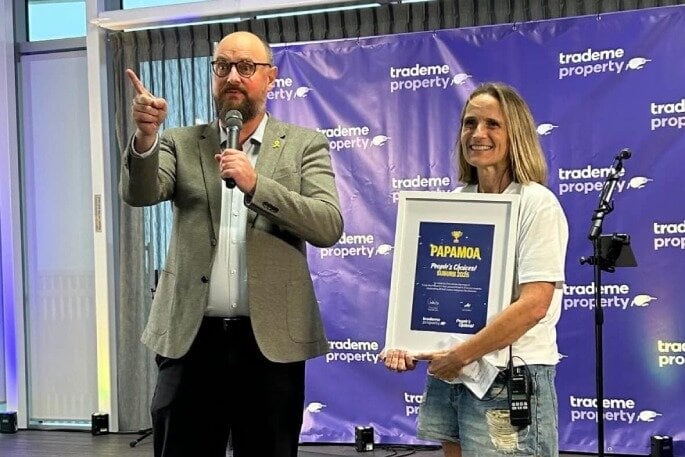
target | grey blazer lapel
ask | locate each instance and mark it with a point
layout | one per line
(208, 145)
(273, 143)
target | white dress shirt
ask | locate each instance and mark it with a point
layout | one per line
(228, 282)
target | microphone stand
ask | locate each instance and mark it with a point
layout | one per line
(600, 263)
(144, 433)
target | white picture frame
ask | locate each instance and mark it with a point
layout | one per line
(421, 287)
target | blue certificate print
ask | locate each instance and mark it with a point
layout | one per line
(452, 278)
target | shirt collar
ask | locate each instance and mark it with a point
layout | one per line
(258, 134)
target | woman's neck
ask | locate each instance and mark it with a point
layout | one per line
(493, 184)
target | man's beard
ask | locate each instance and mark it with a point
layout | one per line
(248, 108)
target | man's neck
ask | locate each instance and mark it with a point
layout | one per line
(250, 126)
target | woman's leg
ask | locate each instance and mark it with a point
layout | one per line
(451, 449)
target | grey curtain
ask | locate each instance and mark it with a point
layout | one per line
(174, 64)
(144, 232)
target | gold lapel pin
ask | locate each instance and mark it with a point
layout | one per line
(277, 144)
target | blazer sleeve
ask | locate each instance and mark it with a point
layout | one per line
(150, 178)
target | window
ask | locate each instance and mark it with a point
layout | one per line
(54, 19)
(129, 4)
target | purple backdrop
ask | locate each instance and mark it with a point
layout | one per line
(390, 107)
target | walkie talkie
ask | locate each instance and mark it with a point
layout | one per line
(518, 393)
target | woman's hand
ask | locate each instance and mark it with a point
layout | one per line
(398, 360)
(445, 365)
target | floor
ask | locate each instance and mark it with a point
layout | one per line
(41, 443)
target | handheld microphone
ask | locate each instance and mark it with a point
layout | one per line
(233, 121)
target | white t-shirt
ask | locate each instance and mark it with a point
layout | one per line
(540, 256)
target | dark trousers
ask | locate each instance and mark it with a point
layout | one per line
(224, 384)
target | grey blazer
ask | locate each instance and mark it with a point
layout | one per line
(295, 201)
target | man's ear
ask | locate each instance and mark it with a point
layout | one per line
(273, 74)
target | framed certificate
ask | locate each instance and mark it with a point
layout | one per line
(453, 266)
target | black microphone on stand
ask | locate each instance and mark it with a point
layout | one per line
(605, 205)
(624, 154)
(233, 121)
(606, 261)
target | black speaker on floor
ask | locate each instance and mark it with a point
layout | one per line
(363, 438)
(662, 446)
(8, 422)
(99, 423)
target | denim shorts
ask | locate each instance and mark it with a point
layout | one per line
(450, 412)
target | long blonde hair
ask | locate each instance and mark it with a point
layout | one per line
(526, 161)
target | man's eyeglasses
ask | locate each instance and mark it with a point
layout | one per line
(245, 68)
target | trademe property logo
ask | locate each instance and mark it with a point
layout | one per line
(315, 407)
(421, 77)
(350, 351)
(412, 403)
(309, 414)
(669, 235)
(615, 410)
(592, 62)
(285, 90)
(591, 179)
(670, 353)
(546, 128)
(361, 245)
(670, 115)
(418, 182)
(353, 137)
(614, 296)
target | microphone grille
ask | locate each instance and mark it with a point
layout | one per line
(233, 118)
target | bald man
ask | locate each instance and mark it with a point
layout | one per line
(234, 315)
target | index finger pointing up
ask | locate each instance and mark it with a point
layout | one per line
(137, 84)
